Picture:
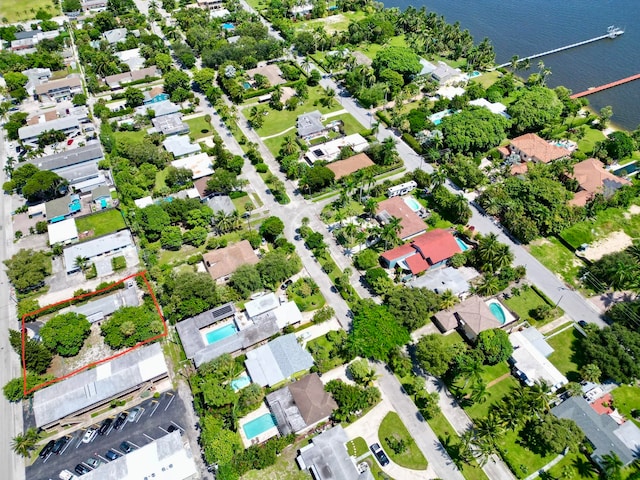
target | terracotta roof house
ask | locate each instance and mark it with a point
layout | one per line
(411, 223)
(429, 250)
(221, 263)
(342, 168)
(301, 405)
(530, 147)
(200, 185)
(472, 316)
(593, 178)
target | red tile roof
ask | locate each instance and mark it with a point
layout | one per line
(342, 168)
(600, 408)
(411, 223)
(519, 169)
(417, 264)
(592, 177)
(537, 148)
(437, 245)
(398, 252)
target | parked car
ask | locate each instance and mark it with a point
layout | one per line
(380, 455)
(59, 445)
(82, 469)
(286, 284)
(126, 447)
(173, 428)
(120, 419)
(104, 427)
(47, 449)
(112, 455)
(90, 435)
(582, 323)
(93, 462)
(135, 413)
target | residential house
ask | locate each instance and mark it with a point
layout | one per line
(36, 76)
(63, 232)
(221, 203)
(58, 90)
(496, 108)
(301, 10)
(444, 74)
(100, 308)
(277, 361)
(429, 250)
(471, 316)
(171, 124)
(326, 457)
(531, 148)
(603, 432)
(71, 401)
(180, 146)
(412, 225)
(301, 405)
(114, 36)
(78, 166)
(211, 4)
(222, 262)
(592, 179)
(201, 187)
(94, 5)
(159, 109)
(27, 40)
(155, 95)
(342, 168)
(98, 249)
(442, 279)
(427, 67)
(330, 150)
(30, 134)
(61, 208)
(101, 197)
(132, 58)
(530, 359)
(168, 457)
(199, 164)
(310, 125)
(121, 79)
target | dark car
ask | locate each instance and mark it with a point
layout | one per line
(286, 284)
(112, 455)
(126, 447)
(59, 445)
(47, 449)
(173, 428)
(105, 426)
(120, 419)
(82, 469)
(582, 323)
(380, 455)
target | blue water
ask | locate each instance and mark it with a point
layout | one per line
(437, 122)
(246, 85)
(474, 74)
(103, 203)
(463, 246)
(629, 169)
(498, 313)
(525, 27)
(240, 382)
(259, 425)
(221, 333)
(412, 203)
(228, 26)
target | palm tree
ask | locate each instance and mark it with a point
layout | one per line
(390, 231)
(289, 146)
(24, 444)
(329, 96)
(490, 429)
(539, 396)
(249, 207)
(81, 262)
(370, 207)
(479, 392)
(448, 299)
(490, 285)
(591, 373)
(612, 466)
(306, 64)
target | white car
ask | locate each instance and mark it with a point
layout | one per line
(89, 435)
(135, 413)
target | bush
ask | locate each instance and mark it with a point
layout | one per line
(366, 259)
(262, 168)
(322, 315)
(91, 272)
(118, 263)
(412, 142)
(41, 227)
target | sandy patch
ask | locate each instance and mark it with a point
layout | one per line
(633, 210)
(331, 20)
(614, 242)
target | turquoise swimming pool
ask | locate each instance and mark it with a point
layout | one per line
(628, 169)
(497, 312)
(259, 425)
(463, 246)
(412, 203)
(228, 26)
(221, 333)
(474, 74)
(240, 382)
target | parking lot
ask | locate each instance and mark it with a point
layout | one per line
(154, 421)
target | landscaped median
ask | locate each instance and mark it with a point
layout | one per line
(399, 445)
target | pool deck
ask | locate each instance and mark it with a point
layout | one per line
(264, 436)
(509, 318)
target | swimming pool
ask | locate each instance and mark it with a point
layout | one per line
(503, 315)
(240, 382)
(474, 74)
(463, 246)
(221, 333)
(628, 169)
(412, 203)
(259, 425)
(246, 85)
(228, 26)
(436, 118)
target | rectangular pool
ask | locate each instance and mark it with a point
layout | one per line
(220, 333)
(259, 425)
(463, 246)
(240, 382)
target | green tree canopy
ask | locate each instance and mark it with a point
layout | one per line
(65, 334)
(474, 129)
(375, 332)
(27, 269)
(43, 185)
(534, 108)
(619, 145)
(413, 306)
(495, 345)
(433, 355)
(220, 444)
(276, 266)
(615, 351)
(246, 280)
(271, 228)
(399, 59)
(550, 435)
(187, 294)
(134, 97)
(130, 325)
(37, 357)
(153, 219)
(317, 177)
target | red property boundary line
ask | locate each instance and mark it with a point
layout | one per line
(93, 364)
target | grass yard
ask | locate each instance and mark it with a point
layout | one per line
(332, 23)
(285, 467)
(567, 356)
(591, 137)
(199, 128)
(373, 48)
(521, 458)
(626, 399)
(307, 304)
(161, 178)
(101, 223)
(452, 338)
(526, 301)
(557, 258)
(357, 447)
(495, 393)
(322, 345)
(278, 121)
(492, 372)
(329, 211)
(576, 463)
(14, 11)
(488, 78)
(351, 125)
(374, 468)
(607, 221)
(274, 143)
(393, 428)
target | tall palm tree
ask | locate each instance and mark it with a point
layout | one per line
(539, 397)
(329, 97)
(591, 372)
(81, 262)
(448, 299)
(23, 444)
(479, 392)
(612, 466)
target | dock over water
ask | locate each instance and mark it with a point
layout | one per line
(606, 86)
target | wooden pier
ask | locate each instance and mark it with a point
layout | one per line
(612, 32)
(591, 90)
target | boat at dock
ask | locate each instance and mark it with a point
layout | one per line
(613, 31)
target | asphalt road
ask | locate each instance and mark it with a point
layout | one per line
(150, 425)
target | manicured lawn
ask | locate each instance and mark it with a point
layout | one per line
(101, 223)
(392, 427)
(199, 128)
(332, 23)
(524, 460)
(452, 338)
(307, 304)
(14, 11)
(373, 48)
(626, 399)
(357, 447)
(161, 177)
(607, 221)
(495, 393)
(557, 258)
(274, 143)
(278, 121)
(351, 125)
(492, 372)
(587, 143)
(575, 462)
(354, 207)
(567, 356)
(487, 78)
(526, 301)
(134, 136)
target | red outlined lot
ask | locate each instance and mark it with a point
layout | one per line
(93, 364)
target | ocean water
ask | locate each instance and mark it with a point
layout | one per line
(526, 27)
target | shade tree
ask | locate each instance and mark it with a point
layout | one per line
(65, 334)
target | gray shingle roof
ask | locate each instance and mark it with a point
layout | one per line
(101, 307)
(277, 360)
(63, 123)
(91, 152)
(99, 246)
(310, 123)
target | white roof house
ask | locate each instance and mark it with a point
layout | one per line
(529, 359)
(199, 164)
(329, 151)
(144, 201)
(277, 360)
(95, 248)
(180, 146)
(96, 386)
(261, 305)
(63, 232)
(30, 133)
(497, 108)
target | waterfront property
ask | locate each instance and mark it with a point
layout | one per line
(277, 361)
(530, 359)
(592, 179)
(430, 250)
(531, 148)
(470, 317)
